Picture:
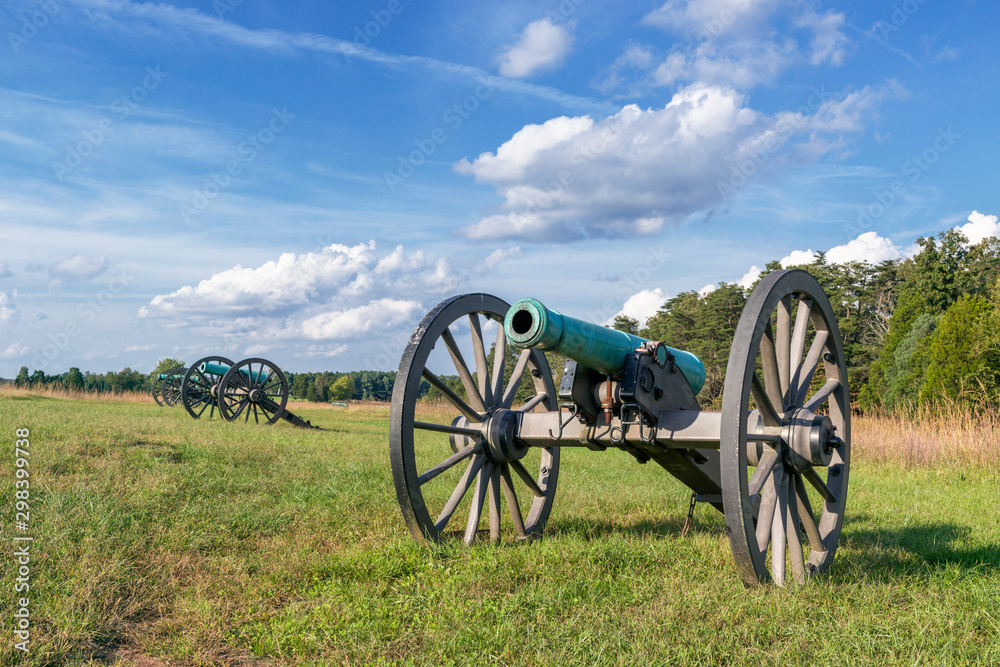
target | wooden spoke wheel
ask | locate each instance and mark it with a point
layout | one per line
(200, 388)
(439, 454)
(158, 384)
(171, 389)
(784, 498)
(253, 389)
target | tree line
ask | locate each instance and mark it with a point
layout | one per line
(916, 331)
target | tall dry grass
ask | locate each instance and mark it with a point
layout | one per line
(948, 435)
(9, 390)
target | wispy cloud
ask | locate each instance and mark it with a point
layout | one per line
(148, 20)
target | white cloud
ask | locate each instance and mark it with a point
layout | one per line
(79, 267)
(641, 306)
(979, 227)
(829, 44)
(868, 247)
(706, 290)
(14, 350)
(707, 19)
(543, 45)
(139, 348)
(631, 173)
(797, 257)
(750, 277)
(8, 309)
(351, 323)
(339, 293)
(498, 257)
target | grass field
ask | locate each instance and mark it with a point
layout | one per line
(159, 540)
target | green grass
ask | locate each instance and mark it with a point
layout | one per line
(159, 537)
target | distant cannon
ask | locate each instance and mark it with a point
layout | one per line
(253, 388)
(166, 386)
(779, 447)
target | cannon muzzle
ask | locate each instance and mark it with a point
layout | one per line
(530, 324)
(222, 369)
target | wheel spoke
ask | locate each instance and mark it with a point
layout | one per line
(799, 340)
(807, 517)
(452, 397)
(813, 478)
(494, 495)
(768, 501)
(535, 400)
(499, 361)
(476, 509)
(794, 536)
(456, 497)
(479, 350)
(772, 381)
(809, 366)
(515, 379)
(447, 428)
(779, 529)
(527, 478)
(761, 473)
(449, 462)
(760, 397)
(463, 371)
(512, 504)
(820, 396)
(782, 345)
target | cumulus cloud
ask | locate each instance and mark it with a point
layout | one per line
(630, 174)
(869, 247)
(14, 350)
(979, 227)
(139, 348)
(641, 306)
(78, 268)
(798, 257)
(750, 277)
(541, 46)
(706, 290)
(340, 292)
(8, 309)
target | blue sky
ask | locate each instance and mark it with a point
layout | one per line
(304, 181)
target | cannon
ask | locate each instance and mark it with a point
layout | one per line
(252, 388)
(778, 448)
(166, 386)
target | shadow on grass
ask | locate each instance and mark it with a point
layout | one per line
(885, 553)
(591, 529)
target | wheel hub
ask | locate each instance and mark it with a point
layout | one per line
(255, 395)
(501, 445)
(810, 439)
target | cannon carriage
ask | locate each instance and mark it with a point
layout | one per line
(252, 389)
(774, 460)
(167, 386)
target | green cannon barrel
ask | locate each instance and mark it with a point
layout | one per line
(222, 369)
(530, 324)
